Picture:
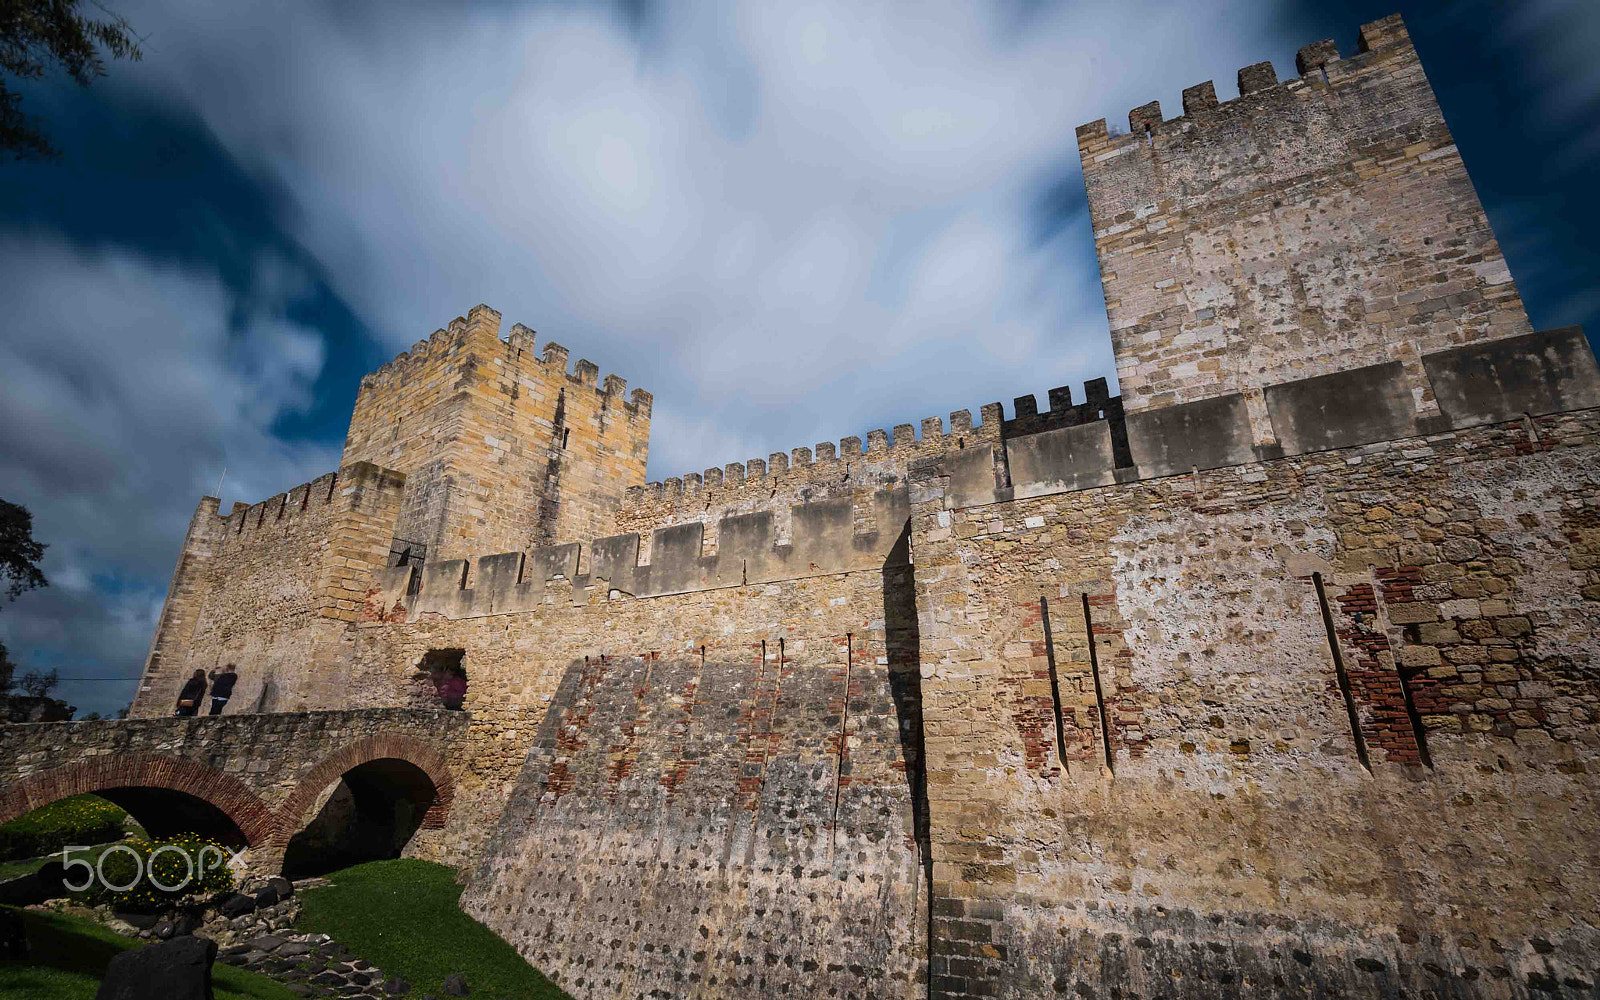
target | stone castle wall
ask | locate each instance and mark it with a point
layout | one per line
(269, 587)
(1198, 807)
(1275, 675)
(1307, 227)
(502, 448)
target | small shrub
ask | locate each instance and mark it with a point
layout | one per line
(170, 868)
(82, 819)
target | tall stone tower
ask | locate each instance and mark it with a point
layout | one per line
(502, 449)
(1311, 226)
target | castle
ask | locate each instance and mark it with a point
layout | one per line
(1277, 674)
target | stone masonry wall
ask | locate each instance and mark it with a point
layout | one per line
(1212, 802)
(672, 807)
(267, 588)
(1309, 226)
(503, 448)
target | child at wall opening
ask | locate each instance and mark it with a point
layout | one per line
(222, 687)
(193, 690)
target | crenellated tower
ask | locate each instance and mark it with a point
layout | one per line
(1310, 226)
(503, 448)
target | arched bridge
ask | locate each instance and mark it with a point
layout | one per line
(369, 781)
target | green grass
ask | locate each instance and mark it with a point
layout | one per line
(12, 869)
(79, 819)
(403, 916)
(70, 955)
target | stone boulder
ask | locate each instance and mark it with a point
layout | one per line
(179, 969)
(237, 905)
(456, 985)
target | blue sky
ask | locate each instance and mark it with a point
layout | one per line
(790, 223)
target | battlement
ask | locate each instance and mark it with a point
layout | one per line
(826, 538)
(1318, 63)
(481, 326)
(1501, 381)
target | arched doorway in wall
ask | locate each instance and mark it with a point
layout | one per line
(440, 680)
(368, 813)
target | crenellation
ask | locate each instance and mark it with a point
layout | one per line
(877, 441)
(1257, 76)
(1312, 58)
(1200, 97)
(800, 457)
(1145, 118)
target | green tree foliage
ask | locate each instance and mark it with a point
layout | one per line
(19, 553)
(39, 35)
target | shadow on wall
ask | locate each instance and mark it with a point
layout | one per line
(903, 642)
(369, 814)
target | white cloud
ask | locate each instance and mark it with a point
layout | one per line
(822, 204)
(128, 388)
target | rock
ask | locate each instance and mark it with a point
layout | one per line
(179, 969)
(162, 930)
(266, 897)
(456, 985)
(282, 886)
(328, 979)
(294, 948)
(143, 921)
(185, 923)
(396, 987)
(359, 978)
(269, 943)
(13, 935)
(237, 905)
(301, 989)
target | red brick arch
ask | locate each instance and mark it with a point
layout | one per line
(384, 746)
(233, 797)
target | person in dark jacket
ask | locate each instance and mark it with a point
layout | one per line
(193, 691)
(222, 683)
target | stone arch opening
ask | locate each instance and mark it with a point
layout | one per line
(166, 795)
(370, 813)
(440, 680)
(364, 803)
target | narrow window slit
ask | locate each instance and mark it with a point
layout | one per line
(1055, 685)
(1344, 676)
(1099, 692)
(844, 730)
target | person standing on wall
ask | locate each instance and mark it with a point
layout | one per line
(222, 683)
(193, 690)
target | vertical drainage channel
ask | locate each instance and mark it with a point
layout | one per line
(1344, 676)
(1055, 685)
(1099, 692)
(844, 735)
